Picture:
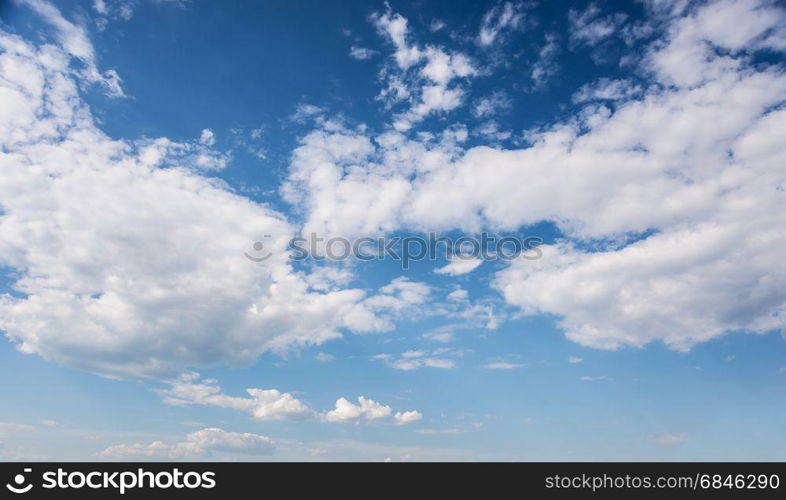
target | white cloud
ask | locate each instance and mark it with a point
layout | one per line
(606, 89)
(503, 365)
(100, 6)
(305, 111)
(590, 27)
(329, 278)
(324, 357)
(412, 360)
(407, 417)
(490, 130)
(491, 105)
(438, 336)
(197, 444)
(361, 53)
(436, 25)
(444, 333)
(442, 67)
(546, 66)
(123, 10)
(757, 23)
(129, 236)
(429, 89)
(689, 57)
(575, 359)
(367, 409)
(459, 265)
(74, 40)
(433, 98)
(207, 138)
(269, 404)
(438, 363)
(684, 220)
(394, 27)
(499, 19)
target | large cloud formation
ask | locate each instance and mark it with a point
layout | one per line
(127, 257)
(677, 186)
(127, 260)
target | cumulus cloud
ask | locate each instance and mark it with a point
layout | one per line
(395, 28)
(262, 404)
(365, 410)
(199, 444)
(135, 267)
(207, 137)
(271, 404)
(368, 410)
(668, 198)
(423, 75)
(689, 57)
(669, 202)
(458, 266)
(407, 417)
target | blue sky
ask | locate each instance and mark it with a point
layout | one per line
(146, 145)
